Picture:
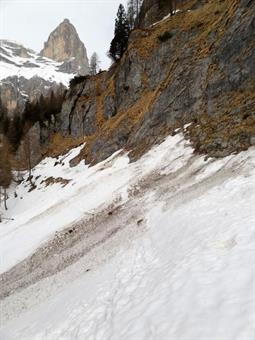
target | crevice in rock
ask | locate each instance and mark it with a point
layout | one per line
(73, 108)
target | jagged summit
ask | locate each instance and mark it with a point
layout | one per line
(64, 45)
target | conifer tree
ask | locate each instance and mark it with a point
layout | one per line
(14, 132)
(28, 155)
(5, 167)
(121, 34)
(94, 64)
(4, 121)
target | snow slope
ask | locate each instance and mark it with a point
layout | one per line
(180, 264)
(34, 65)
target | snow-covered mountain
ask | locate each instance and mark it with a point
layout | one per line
(25, 73)
(161, 248)
(17, 61)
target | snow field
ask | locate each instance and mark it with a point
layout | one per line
(38, 67)
(186, 274)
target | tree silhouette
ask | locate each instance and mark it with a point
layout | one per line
(5, 167)
(94, 64)
(121, 34)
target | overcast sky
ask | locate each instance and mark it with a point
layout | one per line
(30, 22)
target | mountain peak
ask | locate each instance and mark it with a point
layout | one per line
(64, 45)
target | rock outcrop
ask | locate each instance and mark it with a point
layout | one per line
(153, 11)
(15, 91)
(64, 45)
(196, 67)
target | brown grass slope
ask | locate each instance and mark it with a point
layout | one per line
(196, 67)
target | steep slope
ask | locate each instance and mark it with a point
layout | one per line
(153, 11)
(155, 241)
(195, 67)
(155, 249)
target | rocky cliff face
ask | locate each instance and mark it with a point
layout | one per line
(64, 45)
(196, 67)
(155, 10)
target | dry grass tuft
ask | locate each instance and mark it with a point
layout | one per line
(60, 145)
(52, 180)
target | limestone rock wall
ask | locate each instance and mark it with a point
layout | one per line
(155, 10)
(196, 67)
